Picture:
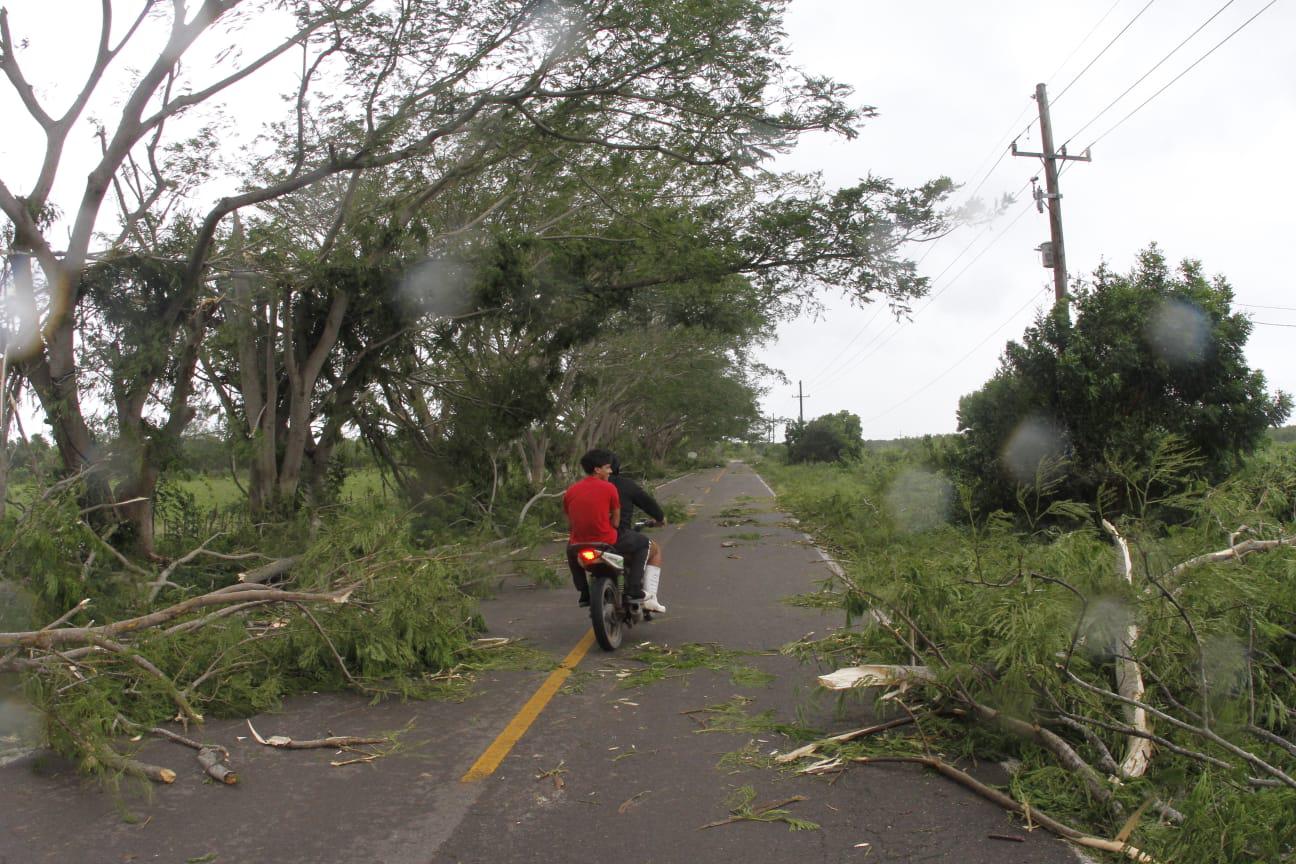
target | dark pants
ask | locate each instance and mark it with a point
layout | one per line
(632, 545)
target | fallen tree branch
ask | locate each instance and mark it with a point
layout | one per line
(1009, 803)
(144, 663)
(212, 759)
(164, 578)
(1199, 731)
(1129, 678)
(210, 756)
(70, 635)
(266, 572)
(813, 747)
(337, 741)
(118, 762)
(1237, 550)
(534, 498)
(876, 675)
(755, 814)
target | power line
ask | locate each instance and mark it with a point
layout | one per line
(932, 298)
(1184, 72)
(824, 371)
(915, 394)
(1081, 73)
(1081, 43)
(1271, 324)
(1002, 151)
(1258, 306)
(1173, 51)
(857, 335)
(878, 346)
(1003, 138)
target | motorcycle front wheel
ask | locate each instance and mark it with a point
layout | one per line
(605, 612)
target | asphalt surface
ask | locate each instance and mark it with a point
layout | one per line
(606, 772)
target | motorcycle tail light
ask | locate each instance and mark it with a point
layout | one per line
(589, 556)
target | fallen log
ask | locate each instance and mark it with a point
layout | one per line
(210, 756)
(266, 572)
(212, 759)
(118, 762)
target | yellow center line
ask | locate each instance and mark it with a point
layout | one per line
(517, 727)
(521, 722)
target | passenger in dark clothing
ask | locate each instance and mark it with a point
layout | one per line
(633, 495)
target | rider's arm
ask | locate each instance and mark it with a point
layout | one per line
(647, 503)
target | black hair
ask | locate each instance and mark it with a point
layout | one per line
(616, 464)
(594, 458)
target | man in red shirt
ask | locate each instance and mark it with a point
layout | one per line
(593, 509)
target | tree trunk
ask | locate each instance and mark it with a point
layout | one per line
(302, 380)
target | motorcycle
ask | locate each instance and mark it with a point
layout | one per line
(610, 614)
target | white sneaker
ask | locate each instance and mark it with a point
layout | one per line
(650, 603)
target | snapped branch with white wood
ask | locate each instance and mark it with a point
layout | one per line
(1129, 678)
(877, 675)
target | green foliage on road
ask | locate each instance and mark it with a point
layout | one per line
(1025, 623)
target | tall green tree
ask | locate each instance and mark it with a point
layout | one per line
(1152, 353)
(828, 438)
(442, 102)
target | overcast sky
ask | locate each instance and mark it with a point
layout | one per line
(1202, 170)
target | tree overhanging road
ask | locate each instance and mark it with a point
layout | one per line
(604, 771)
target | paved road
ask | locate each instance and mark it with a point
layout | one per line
(639, 774)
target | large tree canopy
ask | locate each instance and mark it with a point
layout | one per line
(623, 139)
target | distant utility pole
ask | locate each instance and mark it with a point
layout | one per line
(1054, 253)
(800, 397)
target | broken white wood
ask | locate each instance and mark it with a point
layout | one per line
(876, 675)
(1129, 678)
(813, 747)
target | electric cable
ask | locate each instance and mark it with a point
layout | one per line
(1241, 27)
(876, 345)
(854, 338)
(824, 375)
(1143, 78)
(1081, 73)
(999, 147)
(1081, 43)
(960, 361)
(1258, 306)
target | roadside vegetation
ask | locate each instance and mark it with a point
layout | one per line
(1104, 603)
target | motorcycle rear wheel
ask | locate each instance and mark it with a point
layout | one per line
(605, 612)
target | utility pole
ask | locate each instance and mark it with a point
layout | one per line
(800, 397)
(1054, 253)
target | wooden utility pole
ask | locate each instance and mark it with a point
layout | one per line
(801, 397)
(1055, 254)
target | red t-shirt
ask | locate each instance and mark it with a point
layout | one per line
(589, 504)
